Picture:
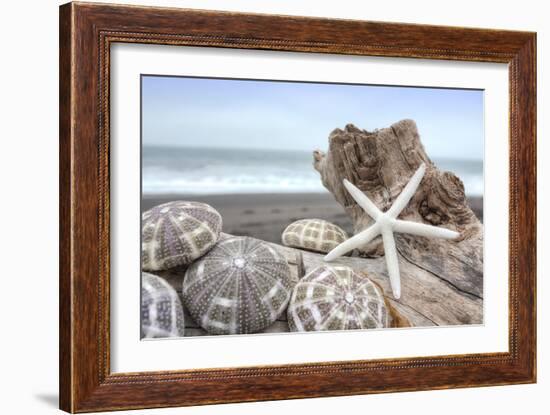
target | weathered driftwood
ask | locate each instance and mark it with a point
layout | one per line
(426, 300)
(430, 301)
(380, 163)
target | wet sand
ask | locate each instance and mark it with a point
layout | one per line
(265, 216)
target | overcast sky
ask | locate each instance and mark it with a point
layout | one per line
(179, 111)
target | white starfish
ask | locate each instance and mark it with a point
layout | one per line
(386, 223)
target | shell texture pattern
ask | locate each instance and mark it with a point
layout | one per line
(161, 309)
(241, 286)
(177, 233)
(313, 234)
(336, 298)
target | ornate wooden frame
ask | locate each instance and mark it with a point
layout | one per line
(86, 33)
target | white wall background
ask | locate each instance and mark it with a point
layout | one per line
(29, 169)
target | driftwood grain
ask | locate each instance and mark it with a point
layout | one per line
(86, 33)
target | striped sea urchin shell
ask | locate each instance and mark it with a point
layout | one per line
(161, 309)
(177, 233)
(241, 286)
(313, 234)
(336, 298)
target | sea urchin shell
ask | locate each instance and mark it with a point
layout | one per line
(336, 298)
(241, 286)
(177, 233)
(313, 234)
(161, 310)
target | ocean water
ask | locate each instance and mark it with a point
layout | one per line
(180, 170)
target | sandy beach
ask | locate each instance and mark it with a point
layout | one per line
(265, 216)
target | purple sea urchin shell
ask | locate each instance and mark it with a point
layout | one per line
(336, 298)
(161, 309)
(177, 233)
(313, 234)
(241, 286)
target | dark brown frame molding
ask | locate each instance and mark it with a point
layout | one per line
(86, 33)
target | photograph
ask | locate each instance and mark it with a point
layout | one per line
(273, 206)
(259, 204)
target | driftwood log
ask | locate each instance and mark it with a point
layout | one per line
(380, 163)
(441, 280)
(429, 300)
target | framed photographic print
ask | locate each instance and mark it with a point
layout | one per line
(260, 207)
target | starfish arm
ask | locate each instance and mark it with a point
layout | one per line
(362, 238)
(421, 229)
(362, 200)
(392, 262)
(407, 192)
